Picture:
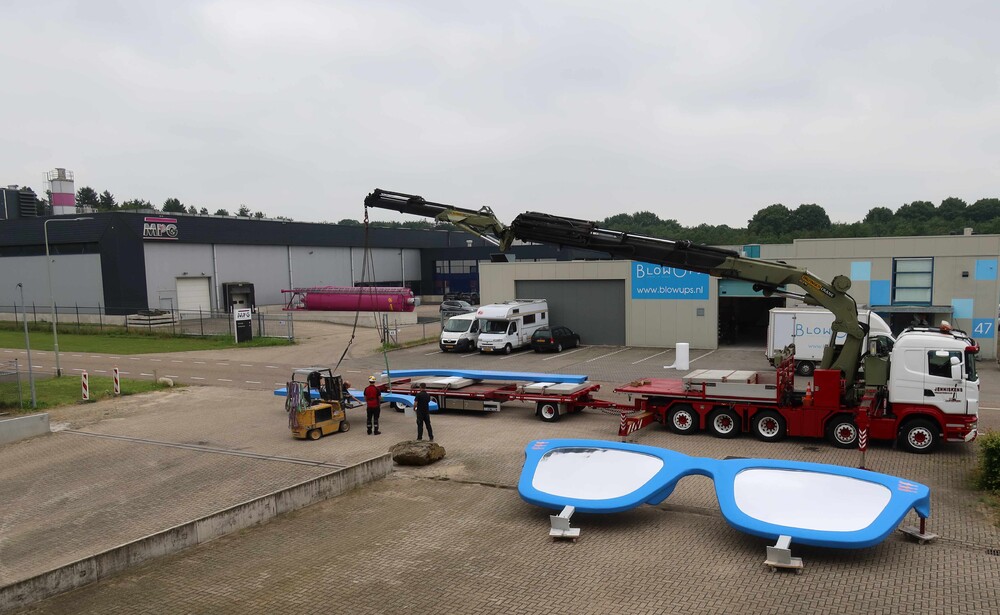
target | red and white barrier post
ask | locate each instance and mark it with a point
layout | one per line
(85, 386)
(118, 383)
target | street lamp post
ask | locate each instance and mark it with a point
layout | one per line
(52, 297)
(27, 345)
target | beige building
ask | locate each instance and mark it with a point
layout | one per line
(905, 279)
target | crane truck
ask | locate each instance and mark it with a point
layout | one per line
(918, 391)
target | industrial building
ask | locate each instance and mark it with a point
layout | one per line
(123, 262)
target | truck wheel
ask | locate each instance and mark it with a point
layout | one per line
(769, 426)
(398, 406)
(842, 432)
(345, 425)
(682, 420)
(724, 423)
(508, 349)
(806, 368)
(315, 434)
(919, 436)
(548, 411)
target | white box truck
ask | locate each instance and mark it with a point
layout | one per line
(460, 333)
(809, 328)
(509, 325)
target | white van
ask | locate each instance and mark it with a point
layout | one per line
(509, 325)
(460, 333)
(810, 329)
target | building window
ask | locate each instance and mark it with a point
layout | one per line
(912, 280)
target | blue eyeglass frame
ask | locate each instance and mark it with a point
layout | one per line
(904, 494)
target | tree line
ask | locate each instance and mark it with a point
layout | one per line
(775, 223)
(105, 201)
(780, 224)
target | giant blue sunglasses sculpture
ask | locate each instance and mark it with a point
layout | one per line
(812, 503)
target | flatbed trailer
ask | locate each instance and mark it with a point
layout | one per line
(454, 392)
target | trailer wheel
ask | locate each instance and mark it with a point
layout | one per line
(806, 368)
(315, 434)
(919, 436)
(682, 419)
(842, 432)
(345, 425)
(769, 426)
(724, 423)
(548, 411)
(398, 406)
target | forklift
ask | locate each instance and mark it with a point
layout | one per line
(315, 403)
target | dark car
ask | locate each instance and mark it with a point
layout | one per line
(454, 308)
(472, 297)
(554, 338)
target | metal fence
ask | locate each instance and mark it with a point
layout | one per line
(176, 322)
(11, 393)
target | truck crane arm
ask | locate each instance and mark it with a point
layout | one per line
(766, 276)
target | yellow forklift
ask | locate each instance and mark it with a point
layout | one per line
(315, 403)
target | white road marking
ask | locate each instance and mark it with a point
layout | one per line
(77, 369)
(223, 379)
(176, 361)
(271, 366)
(252, 382)
(112, 357)
(353, 371)
(100, 371)
(196, 378)
(650, 357)
(134, 358)
(199, 362)
(561, 354)
(223, 364)
(144, 374)
(124, 373)
(95, 356)
(157, 360)
(170, 376)
(427, 354)
(245, 365)
(606, 355)
(701, 356)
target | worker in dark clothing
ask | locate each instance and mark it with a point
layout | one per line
(373, 400)
(422, 404)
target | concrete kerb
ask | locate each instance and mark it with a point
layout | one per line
(22, 427)
(93, 568)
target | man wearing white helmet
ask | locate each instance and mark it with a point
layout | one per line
(373, 401)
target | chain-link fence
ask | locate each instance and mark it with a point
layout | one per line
(178, 322)
(11, 394)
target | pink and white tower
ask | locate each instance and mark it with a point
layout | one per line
(63, 191)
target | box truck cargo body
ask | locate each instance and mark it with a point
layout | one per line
(810, 329)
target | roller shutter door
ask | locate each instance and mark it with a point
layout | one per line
(593, 308)
(194, 294)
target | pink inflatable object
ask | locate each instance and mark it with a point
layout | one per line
(352, 299)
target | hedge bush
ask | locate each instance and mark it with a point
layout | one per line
(988, 477)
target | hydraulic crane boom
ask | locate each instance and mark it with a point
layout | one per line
(767, 276)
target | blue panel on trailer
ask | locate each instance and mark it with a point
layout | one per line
(387, 397)
(476, 374)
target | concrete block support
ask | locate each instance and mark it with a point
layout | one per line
(21, 427)
(90, 569)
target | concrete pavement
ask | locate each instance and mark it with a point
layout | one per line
(453, 537)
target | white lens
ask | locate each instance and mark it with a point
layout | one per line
(809, 500)
(593, 473)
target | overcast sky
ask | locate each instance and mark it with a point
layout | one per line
(703, 112)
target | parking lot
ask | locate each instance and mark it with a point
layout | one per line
(453, 537)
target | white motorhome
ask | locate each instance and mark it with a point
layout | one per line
(460, 332)
(509, 325)
(809, 328)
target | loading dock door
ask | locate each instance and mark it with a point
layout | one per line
(194, 294)
(593, 308)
